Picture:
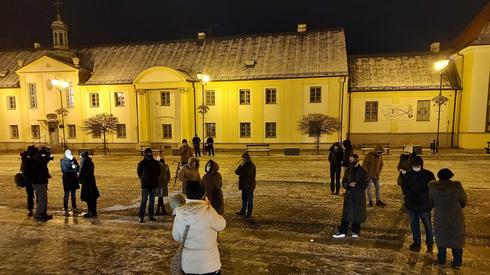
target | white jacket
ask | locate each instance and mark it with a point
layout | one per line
(200, 253)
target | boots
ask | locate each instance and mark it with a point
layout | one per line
(380, 203)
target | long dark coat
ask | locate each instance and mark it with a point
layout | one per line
(149, 172)
(354, 209)
(246, 176)
(87, 180)
(70, 177)
(163, 180)
(415, 188)
(449, 199)
(212, 182)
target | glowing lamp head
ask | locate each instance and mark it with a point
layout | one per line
(55, 82)
(205, 78)
(199, 75)
(441, 65)
(64, 84)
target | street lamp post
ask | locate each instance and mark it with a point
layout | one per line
(203, 108)
(440, 66)
(61, 85)
(341, 81)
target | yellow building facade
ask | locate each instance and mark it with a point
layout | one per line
(260, 86)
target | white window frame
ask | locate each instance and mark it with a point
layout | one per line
(119, 99)
(210, 129)
(36, 131)
(371, 114)
(121, 130)
(31, 87)
(72, 131)
(315, 94)
(268, 127)
(244, 96)
(167, 131)
(270, 96)
(70, 97)
(243, 130)
(423, 106)
(11, 102)
(94, 100)
(14, 131)
(210, 97)
(165, 98)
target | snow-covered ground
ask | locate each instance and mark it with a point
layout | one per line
(295, 216)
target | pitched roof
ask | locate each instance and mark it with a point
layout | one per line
(398, 72)
(477, 32)
(316, 53)
(268, 56)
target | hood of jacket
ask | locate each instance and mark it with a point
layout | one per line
(339, 147)
(211, 167)
(192, 210)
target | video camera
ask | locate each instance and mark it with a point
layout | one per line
(46, 154)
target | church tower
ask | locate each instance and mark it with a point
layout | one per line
(60, 30)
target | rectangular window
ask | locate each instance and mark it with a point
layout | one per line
(35, 131)
(270, 96)
(70, 98)
(121, 130)
(423, 110)
(165, 99)
(211, 130)
(270, 129)
(167, 131)
(94, 100)
(14, 131)
(210, 98)
(244, 97)
(371, 111)
(316, 94)
(11, 103)
(119, 99)
(72, 131)
(96, 134)
(32, 95)
(245, 130)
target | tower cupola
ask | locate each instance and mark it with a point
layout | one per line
(60, 30)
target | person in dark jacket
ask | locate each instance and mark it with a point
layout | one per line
(210, 146)
(70, 169)
(211, 183)
(373, 164)
(25, 158)
(162, 188)
(347, 152)
(149, 173)
(90, 192)
(415, 187)
(37, 173)
(246, 183)
(185, 152)
(335, 158)
(448, 198)
(355, 181)
(196, 142)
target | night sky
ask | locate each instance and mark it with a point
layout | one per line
(371, 26)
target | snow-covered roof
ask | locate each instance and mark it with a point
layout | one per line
(398, 72)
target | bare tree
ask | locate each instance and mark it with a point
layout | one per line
(316, 125)
(101, 124)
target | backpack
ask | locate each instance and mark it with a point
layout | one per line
(20, 180)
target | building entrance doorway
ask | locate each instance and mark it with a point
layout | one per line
(53, 133)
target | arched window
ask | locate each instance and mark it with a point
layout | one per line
(55, 38)
(61, 39)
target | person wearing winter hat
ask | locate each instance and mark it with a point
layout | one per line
(70, 169)
(90, 192)
(448, 198)
(148, 171)
(355, 182)
(246, 183)
(373, 164)
(189, 172)
(200, 254)
(415, 187)
(212, 182)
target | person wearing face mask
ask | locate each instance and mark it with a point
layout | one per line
(415, 187)
(246, 183)
(212, 182)
(189, 172)
(373, 164)
(70, 169)
(404, 166)
(335, 158)
(355, 181)
(148, 171)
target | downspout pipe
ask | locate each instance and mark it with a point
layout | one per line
(195, 108)
(137, 115)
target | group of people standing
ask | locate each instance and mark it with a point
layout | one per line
(35, 172)
(421, 193)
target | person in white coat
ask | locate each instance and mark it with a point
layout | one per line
(200, 254)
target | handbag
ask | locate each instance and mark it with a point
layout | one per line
(176, 262)
(20, 180)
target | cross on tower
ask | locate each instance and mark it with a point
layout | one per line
(58, 4)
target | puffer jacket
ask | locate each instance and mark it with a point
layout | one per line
(200, 254)
(372, 163)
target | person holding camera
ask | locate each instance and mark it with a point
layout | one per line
(70, 169)
(26, 157)
(37, 173)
